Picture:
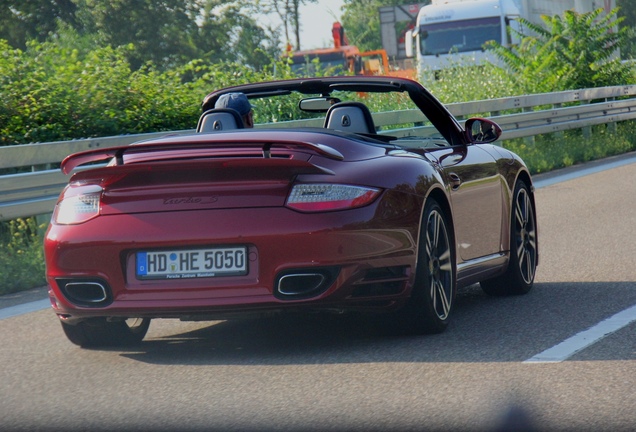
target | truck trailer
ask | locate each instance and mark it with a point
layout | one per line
(451, 32)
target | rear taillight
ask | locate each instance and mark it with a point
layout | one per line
(327, 197)
(78, 204)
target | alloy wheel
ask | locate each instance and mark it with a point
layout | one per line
(440, 269)
(525, 236)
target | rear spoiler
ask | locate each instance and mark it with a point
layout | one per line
(117, 153)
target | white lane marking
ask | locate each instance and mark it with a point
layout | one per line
(23, 308)
(582, 340)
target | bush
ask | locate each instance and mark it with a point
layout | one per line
(460, 83)
(573, 51)
(52, 93)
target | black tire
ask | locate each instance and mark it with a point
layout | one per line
(99, 332)
(522, 266)
(429, 307)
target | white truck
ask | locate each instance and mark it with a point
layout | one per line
(449, 32)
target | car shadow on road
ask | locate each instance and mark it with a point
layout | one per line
(483, 329)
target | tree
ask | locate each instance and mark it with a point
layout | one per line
(257, 47)
(173, 32)
(627, 11)
(289, 13)
(228, 32)
(361, 20)
(21, 21)
(162, 31)
(569, 52)
(165, 33)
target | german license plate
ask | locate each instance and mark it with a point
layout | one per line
(192, 263)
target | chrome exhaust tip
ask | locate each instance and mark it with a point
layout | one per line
(304, 283)
(300, 284)
(89, 293)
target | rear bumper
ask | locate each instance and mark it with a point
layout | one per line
(366, 256)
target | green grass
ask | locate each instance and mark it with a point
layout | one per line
(22, 256)
(560, 150)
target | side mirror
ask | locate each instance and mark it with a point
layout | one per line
(481, 131)
(514, 29)
(408, 43)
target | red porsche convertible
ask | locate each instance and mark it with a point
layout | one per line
(340, 209)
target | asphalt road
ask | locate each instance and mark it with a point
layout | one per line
(560, 358)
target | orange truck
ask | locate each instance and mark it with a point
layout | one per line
(345, 58)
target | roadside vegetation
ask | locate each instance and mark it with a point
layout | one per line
(67, 87)
(22, 256)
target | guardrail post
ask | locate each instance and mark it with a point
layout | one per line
(559, 134)
(611, 127)
(587, 130)
(43, 220)
(529, 139)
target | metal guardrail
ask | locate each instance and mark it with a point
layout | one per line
(34, 193)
